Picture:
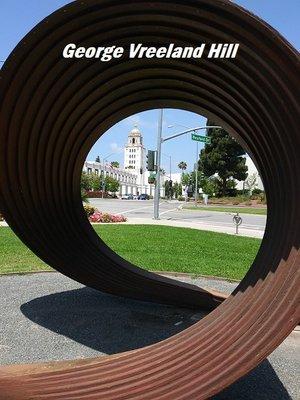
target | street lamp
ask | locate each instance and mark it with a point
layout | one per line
(103, 177)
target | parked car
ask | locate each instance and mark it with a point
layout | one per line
(144, 196)
(127, 197)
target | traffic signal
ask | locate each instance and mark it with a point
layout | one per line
(150, 162)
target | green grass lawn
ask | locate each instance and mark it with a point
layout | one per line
(241, 210)
(15, 256)
(156, 248)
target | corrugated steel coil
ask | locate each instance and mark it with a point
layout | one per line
(52, 112)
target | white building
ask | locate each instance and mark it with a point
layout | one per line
(251, 170)
(133, 178)
(135, 152)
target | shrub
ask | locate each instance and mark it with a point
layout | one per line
(180, 198)
(89, 210)
(262, 198)
(97, 194)
(257, 191)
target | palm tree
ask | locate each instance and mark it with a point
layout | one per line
(182, 165)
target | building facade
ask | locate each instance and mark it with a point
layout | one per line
(133, 177)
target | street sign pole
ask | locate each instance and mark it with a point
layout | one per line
(196, 172)
(158, 162)
(160, 140)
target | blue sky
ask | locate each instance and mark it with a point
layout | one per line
(17, 17)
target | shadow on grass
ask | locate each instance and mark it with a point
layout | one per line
(110, 324)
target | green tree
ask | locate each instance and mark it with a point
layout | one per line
(211, 187)
(223, 157)
(185, 178)
(96, 182)
(177, 187)
(167, 189)
(111, 184)
(86, 181)
(115, 164)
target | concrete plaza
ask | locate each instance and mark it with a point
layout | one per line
(47, 317)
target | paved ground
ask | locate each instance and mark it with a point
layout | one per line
(141, 212)
(50, 317)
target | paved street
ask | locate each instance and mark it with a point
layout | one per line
(138, 211)
(47, 317)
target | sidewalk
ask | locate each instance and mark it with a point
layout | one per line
(255, 233)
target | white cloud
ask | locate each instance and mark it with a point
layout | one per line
(115, 148)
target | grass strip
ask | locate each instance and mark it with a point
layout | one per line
(156, 248)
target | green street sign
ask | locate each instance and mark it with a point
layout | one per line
(199, 138)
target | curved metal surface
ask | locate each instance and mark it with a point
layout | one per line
(53, 110)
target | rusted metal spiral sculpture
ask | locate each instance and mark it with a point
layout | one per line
(52, 112)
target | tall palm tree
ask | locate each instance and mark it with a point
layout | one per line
(182, 165)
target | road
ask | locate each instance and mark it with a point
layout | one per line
(48, 317)
(170, 211)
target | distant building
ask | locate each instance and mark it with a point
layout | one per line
(251, 170)
(133, 177)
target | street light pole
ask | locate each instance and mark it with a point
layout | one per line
(158, 162)
(103, 176)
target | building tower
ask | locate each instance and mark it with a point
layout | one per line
(134, 152)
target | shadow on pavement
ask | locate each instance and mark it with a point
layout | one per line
(110, 324)
(106, 323)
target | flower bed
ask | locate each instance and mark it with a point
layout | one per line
(99, 217)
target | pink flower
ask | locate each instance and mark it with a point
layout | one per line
(106, 217)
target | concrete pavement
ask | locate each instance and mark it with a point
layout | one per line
(47, 316)
(172, 214)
